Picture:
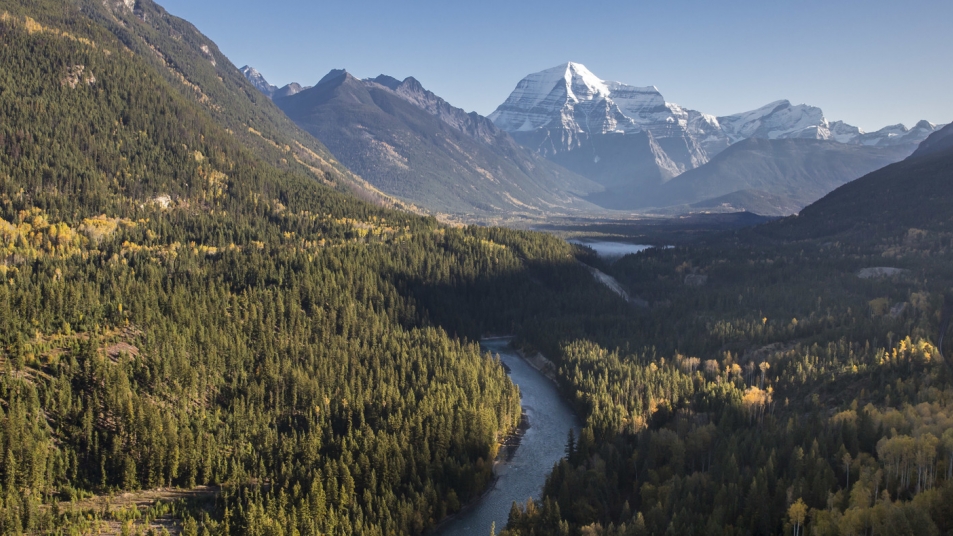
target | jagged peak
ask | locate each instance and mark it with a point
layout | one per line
(386, 81)
(412, 83)
(256, 79)
(334, 74)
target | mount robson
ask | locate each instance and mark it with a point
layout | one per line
(213, 322)
(647, 152)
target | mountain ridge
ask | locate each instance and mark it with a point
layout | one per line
(414, 145)
(909, 196)
(800, 170)
(633, 142)
(635, 146)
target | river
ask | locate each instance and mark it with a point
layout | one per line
(543, 444)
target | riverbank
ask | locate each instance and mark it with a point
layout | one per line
(526, 456)
(504, 454)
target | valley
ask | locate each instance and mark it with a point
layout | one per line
(228, 307)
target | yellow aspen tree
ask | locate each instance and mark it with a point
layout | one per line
(796, 514)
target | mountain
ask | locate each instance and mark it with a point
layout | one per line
(797, 170)
(258, 81)
(782, 120)
(631, 141)
(192, 304)
(192, 62)
(626, 138)
(911, 196)
(778, 120)
(270, 90)
(288, 90)
(938, 141)
(413, 145)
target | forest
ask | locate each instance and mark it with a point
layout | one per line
(196, 304)
(176, 312)
(800, 388)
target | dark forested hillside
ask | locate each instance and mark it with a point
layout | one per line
(183, 306)
(794, 379)
(909, 195)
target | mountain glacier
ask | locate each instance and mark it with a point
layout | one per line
(625, 146)
(572, 106)
(630, 140)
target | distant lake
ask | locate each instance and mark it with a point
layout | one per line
(608, 249)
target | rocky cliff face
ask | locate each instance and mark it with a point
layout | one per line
(573, 106)
(258, 81)
(414, 145)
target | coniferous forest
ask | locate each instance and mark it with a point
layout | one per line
(200, 307)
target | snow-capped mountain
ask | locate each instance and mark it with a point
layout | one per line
(624, 144)
(605, 130)
(572, 98)
(563, 96)
(782, 120)
(778, 120)
(258, 80)
(414, 145)
(569, 97)
(630, 140)
(272, 91)
(898, 135)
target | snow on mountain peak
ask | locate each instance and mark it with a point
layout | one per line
(583, 84)
(571, 97)
(551, 95)
(559, 93)
(779, 119)
(574, 105)
(258, 80)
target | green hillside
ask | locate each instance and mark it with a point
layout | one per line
(176, 51)
(794, 378)
(184, 305)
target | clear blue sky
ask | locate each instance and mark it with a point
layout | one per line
(870, 63)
